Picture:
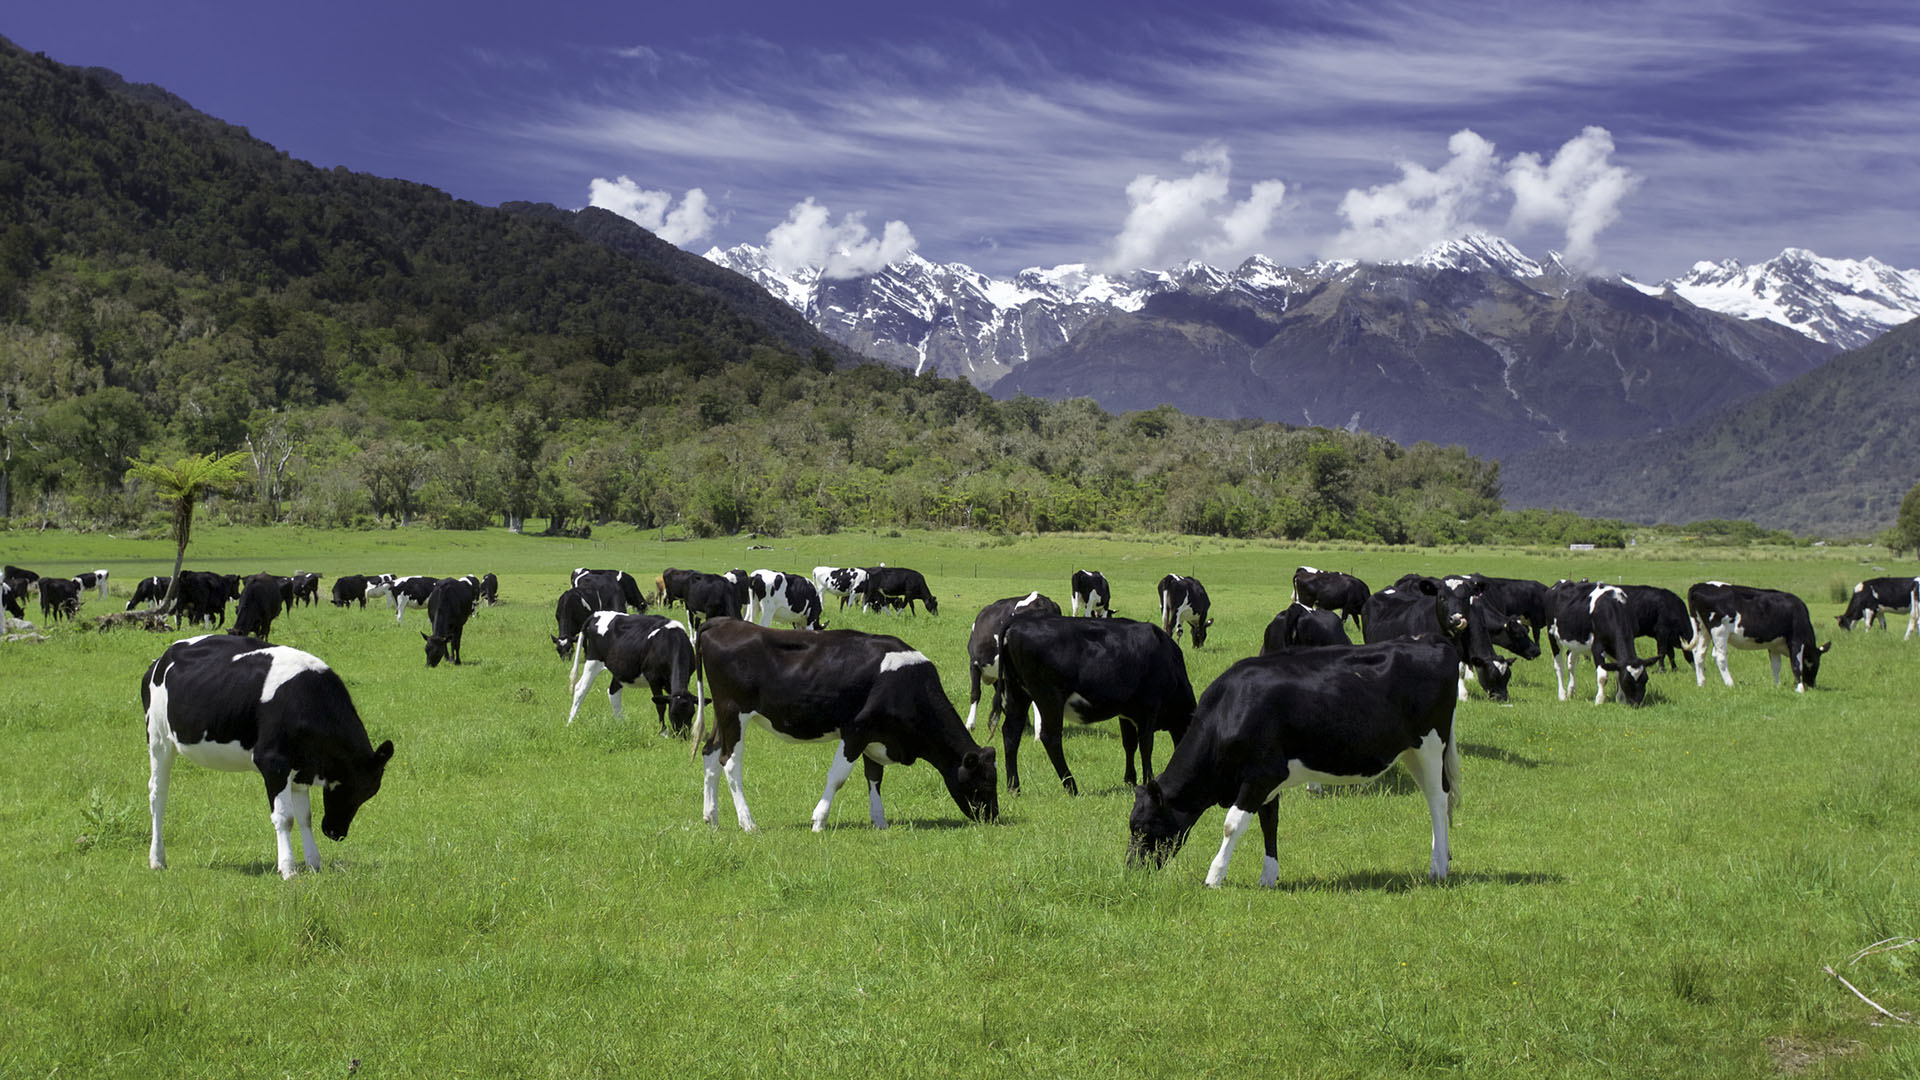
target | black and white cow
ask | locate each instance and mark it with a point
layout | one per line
(897, 587)
(1333, 591)
(635, 649)
(349, 588)
(1090, 590)
(1875, 597)
(1336, 715)
(1183, 603)
(877, 696)
(788, 598)
(842, 582)
(1520, 598)
(17, 583)
(1746, 617)
(59, 598)
(412, 589)
(1098, 669)
(1601, 626)
(628, 585)
(202, 596)
(230, 703)
(379, 585)
(710, 596)
(96, 580)
(306, 587)
(1299, 625)
(1659, 613)
(576, 606)
(449, 607)
(149, 591)
(983, 645)
(1462, 617)
(260, 604)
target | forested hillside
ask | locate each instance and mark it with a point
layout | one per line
(169, 284)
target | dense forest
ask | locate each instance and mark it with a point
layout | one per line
(387, 354)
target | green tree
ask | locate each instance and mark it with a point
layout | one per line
(1906, 525)
(183, 484)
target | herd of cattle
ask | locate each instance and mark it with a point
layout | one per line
(1312, 708)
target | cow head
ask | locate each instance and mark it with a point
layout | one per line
(1633, 680)
(1810, 662)
(681, 710)
(1200, 632)
(344, 795)
(1156, 829)
(1494, 674)
(563, 646)
(975, 785)
(436, 648)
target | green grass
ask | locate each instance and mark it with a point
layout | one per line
(1649, 892)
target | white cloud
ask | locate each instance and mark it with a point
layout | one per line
(1183, 217)
(1425, 207)
(654, 210)
(1580, 191)
(808, 238)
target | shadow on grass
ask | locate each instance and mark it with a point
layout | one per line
(1408, 881)
(1500, 754)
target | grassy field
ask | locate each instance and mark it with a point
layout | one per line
(1651, 892)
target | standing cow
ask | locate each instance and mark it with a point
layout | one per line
(1872, 599)
(1746, 617)
(1089, 588)
(1183, 603)
(1337, 715)
(983, 645)
(877, 696)
(637, 648)
(1099, 669)
(1333, 591)
(449, 607)
(230, 703)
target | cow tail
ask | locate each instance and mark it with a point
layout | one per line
(1698, 641)
(1450, 775)
(579, 642)
(699, 707)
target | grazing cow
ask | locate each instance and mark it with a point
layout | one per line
(490, 589)
(983, 645)
(150, 591)
(349, 588)
(897, 587)
(1875, 597)
(628, 586)
(788, 598)
(1746, 617)
(842, 582)
(1183, 601)
(634, 648)
(1099, 669)
(1601, 626)
(449, 607)
(577, 605)
(1332, 591)
(1090, 588)
(1521, 598)
(202, 596)
(379, 585)
(230, 703)
(1418, 605)
(306, 587)
(875, 694)
(709, 596)
(17, 583)
(412, 589)
(93, 580)
(13, 574)
(1299, 625)
(260, 603)
(1337, 715)
(1661, 615)
(59, 598)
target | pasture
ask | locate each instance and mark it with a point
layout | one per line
(1647, 892)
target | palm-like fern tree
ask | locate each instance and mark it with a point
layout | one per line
(183, 484)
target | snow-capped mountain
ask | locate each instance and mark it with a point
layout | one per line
(1844, 302)
(953, 319)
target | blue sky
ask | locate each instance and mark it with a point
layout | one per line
(1637, 136)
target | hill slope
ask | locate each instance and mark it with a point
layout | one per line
(1831, 451)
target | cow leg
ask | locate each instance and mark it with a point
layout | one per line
(614, 687)
(291, 803)
(1129, 741)
(837, 774)
(1432, 764)
(1720, 635)
(874, 772)
(1050, 739)
(1775, 658)
(1010, 733)
(593, 670)
(1269, 836)
(1238, 819)
(973, 694)
(728, 736)
(1599, 680)
(1559, 676)
(1461, 692)
(160, 753)
(1913, 617)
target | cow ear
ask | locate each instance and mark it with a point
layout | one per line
(1826, 647)
(382, 753)
(423, 636)
(1152, 788)
(1428, 587)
